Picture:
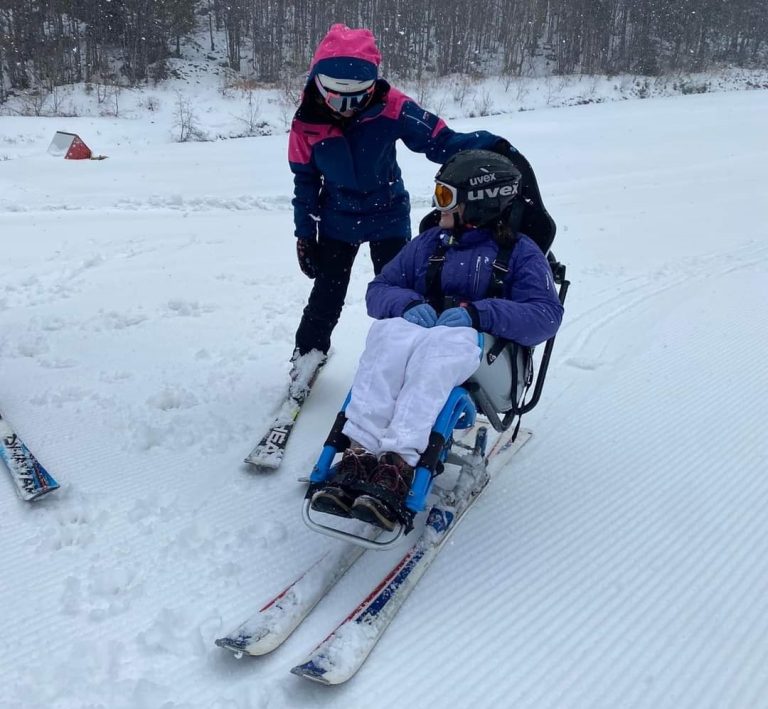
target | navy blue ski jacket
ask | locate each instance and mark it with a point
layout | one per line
(529, 312)
(347, 183)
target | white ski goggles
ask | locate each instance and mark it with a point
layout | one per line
(346, 101)
(445, 197)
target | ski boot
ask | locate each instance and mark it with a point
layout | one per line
(336, 498)
(382, 502)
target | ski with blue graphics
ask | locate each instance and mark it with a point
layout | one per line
(331, 662)
(32, 479)
(269, 451)
(338, 658)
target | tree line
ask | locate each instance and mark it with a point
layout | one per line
(45, 43)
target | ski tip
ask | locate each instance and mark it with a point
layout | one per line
(251, 645)
(228, 644)
(309, 670)
(263, 463)
(38, 493)
(237, 646)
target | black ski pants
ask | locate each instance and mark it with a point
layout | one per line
(334, 268)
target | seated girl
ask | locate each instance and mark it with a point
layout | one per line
(429, 302)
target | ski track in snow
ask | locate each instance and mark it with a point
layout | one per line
(619, 561)
(160, 202)
(632, 296)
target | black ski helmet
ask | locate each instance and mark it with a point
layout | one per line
(487, 183)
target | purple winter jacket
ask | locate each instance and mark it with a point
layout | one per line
(530, 311)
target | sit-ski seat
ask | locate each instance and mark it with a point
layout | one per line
(499, 385)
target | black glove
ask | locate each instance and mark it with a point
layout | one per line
(307, 252)
(505, 148)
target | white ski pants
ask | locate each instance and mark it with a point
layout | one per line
(404, 377)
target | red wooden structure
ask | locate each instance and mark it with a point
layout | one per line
(70, 146)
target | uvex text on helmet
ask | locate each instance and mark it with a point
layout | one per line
(487, 184)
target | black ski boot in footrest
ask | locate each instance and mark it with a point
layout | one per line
(332, 500)
(381, 508)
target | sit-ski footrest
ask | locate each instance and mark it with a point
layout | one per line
(370, 542)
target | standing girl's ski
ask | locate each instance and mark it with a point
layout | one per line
(269, 451)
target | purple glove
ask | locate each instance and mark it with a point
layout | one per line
(455, 317)
(421, 314)
(307, 253)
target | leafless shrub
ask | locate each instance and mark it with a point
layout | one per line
(102, 91)
(185, 121)
(109, 97)
(252, 112)
(33, 101)
(289, 94)
(151, 103)
(550, 89)
(424, 91)
(485, 103)
(522, 89)
(462, 88)
(232, 82)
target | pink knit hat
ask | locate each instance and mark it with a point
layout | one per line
(347, 53)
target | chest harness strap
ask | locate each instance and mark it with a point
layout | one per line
(434, 278)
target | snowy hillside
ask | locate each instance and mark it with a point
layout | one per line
(147, 310)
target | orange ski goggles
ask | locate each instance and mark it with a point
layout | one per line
(445, 197)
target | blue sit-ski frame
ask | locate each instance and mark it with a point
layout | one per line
(459, 412)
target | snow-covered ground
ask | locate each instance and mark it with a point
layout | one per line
(147, 310)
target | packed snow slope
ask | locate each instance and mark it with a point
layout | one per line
(147, 310)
